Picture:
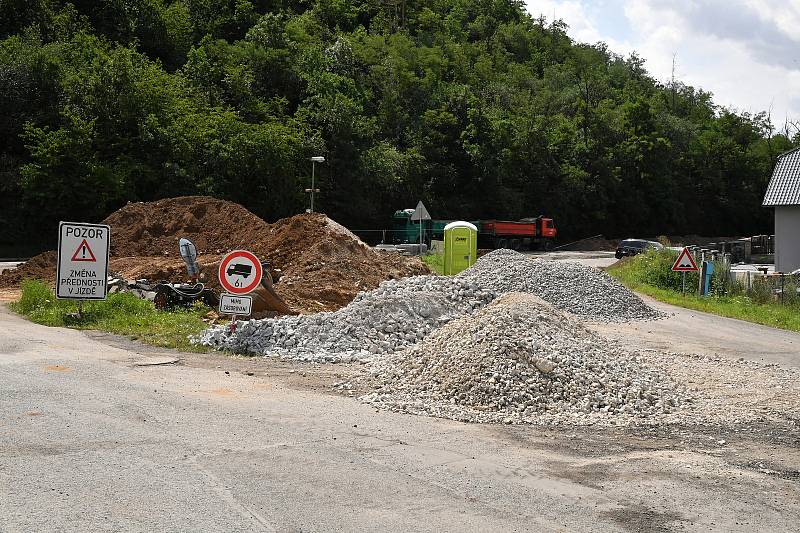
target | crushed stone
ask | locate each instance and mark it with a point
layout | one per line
(578, 289)
(519, 360)
(398, 314)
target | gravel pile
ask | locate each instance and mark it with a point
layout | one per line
(398, 314)
(578, 289)
(519, 361)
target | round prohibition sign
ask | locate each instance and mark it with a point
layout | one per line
(240, 272)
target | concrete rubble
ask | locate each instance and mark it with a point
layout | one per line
(398, 314)
(578, 289)
(519, 360)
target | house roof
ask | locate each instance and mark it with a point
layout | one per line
(784, 187)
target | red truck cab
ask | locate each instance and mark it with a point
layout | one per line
(527, 234)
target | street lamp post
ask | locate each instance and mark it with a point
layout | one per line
(314, 160)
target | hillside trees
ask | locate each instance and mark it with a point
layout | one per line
(470, 105)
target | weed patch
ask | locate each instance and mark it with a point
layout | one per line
(124, 314)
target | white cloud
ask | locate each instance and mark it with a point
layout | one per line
(582, 27)
(746, 52)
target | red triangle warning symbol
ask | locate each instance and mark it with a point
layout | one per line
(84, 253)
(685, 262)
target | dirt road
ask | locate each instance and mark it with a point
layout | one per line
(688, 331)
(92, 442)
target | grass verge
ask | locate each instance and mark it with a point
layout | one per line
(435, 262)
(740, 306)
(124, 314)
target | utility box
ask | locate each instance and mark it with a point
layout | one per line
(460, 246)
(706, 273)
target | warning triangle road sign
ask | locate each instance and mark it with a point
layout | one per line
(420, 213)
(685, 262)
(84, 253)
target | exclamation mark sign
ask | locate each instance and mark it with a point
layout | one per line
(83, 253)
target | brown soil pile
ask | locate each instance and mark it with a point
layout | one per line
(42, 266)
(322, 265)
(153, 228)
(592, 244)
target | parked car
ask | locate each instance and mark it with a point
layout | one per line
(631, 247)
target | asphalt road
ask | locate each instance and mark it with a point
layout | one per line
(596, 259)
(91, 442)
(688, 331)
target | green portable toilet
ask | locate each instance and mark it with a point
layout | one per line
(460, 246)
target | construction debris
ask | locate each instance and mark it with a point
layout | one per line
(578, 289)
(398, 314)
(519, 360)
(322, 265)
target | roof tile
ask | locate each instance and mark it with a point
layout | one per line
(784, 187)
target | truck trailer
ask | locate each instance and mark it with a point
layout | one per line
(535, 233)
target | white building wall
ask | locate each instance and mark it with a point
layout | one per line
(787, 238)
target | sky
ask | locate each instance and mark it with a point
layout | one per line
(745, 52)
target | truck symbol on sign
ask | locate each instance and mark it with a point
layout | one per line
(240, 269)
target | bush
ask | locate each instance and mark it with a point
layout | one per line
(654, 267)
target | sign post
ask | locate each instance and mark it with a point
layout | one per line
(420, 214)
(685, 263)
(240, 272)
(82, 268)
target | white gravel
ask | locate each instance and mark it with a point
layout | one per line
(519, 360)
(398, 314)
(578, 289)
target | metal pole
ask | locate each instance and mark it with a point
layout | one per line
(313, 164)
(683, 284)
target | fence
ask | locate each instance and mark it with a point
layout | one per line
(760, 285)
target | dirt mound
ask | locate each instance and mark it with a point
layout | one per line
(42, 266)
(592, 244)
(153, 228)
(322, 264)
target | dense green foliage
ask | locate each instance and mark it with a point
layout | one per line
(655, 268)
(121, 313)
(470, 105)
